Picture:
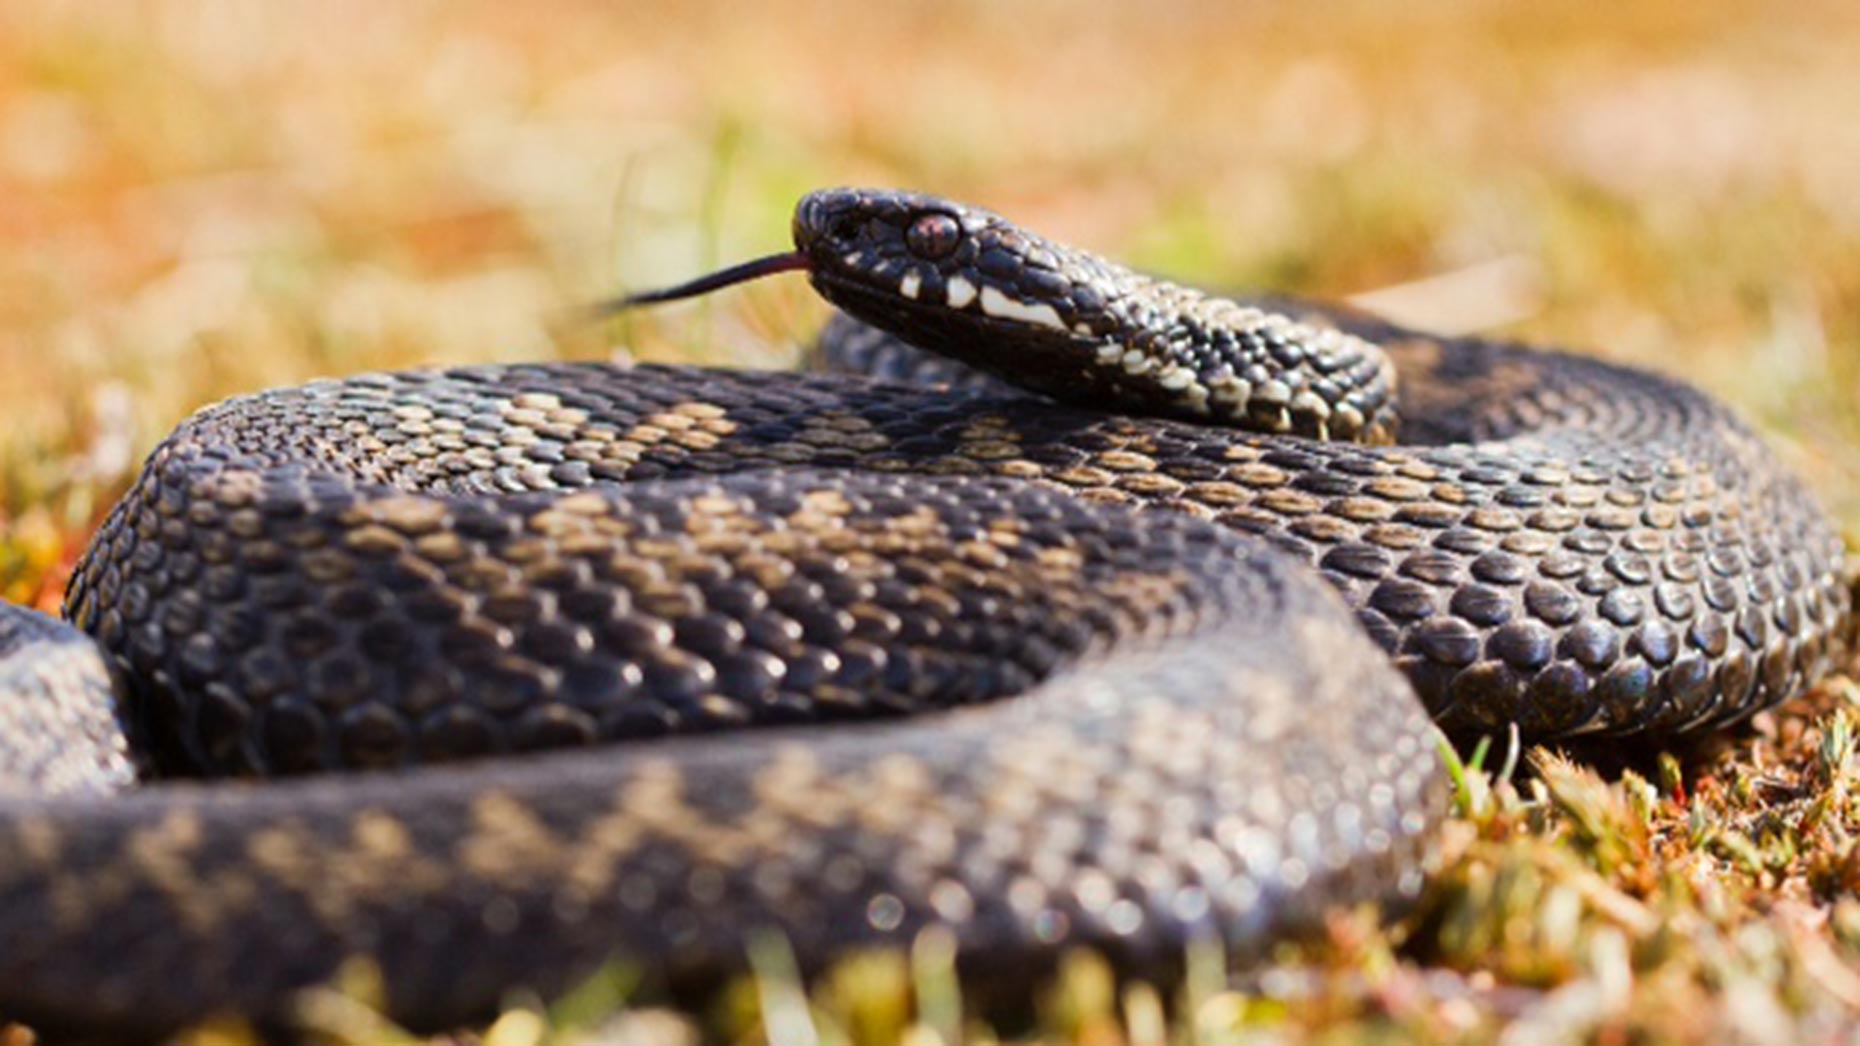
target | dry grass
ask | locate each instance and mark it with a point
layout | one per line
(201, 198)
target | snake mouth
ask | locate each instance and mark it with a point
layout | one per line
(965, 333)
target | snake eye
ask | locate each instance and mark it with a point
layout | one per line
(933, 236)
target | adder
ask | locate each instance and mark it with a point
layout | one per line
(1129, 630)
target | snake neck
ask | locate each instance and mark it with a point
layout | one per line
(1242, 365)
(968, 284)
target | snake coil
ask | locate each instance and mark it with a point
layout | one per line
(637, 662)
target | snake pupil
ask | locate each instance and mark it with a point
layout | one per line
(933, 236)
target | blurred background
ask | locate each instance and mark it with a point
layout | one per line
(204, 197)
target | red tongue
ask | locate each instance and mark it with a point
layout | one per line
(787, 261)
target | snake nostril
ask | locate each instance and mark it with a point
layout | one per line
(825, 216)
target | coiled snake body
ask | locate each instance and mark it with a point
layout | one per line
(1000, 694)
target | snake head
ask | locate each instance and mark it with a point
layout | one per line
(953, 278)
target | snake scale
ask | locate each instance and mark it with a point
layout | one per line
(869, 654)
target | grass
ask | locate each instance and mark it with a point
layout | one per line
(204, 197)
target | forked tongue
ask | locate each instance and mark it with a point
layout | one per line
(787, 261)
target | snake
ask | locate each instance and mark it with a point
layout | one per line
(1056, 606)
